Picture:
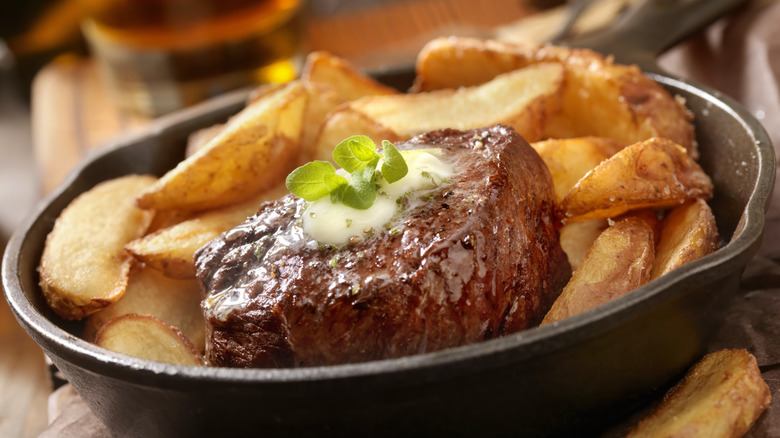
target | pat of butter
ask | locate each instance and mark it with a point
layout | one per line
(336, 224)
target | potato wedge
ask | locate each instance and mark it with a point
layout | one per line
(263, 91)
(322, 100)
(342, 123)
(569, 159)
(202, 137)
(255, 152)
(149, 292)
(167, 218)
(577, 238)
(655, 173)
(84, 266)
(326, 69)
(171, 250)
(652, 218)
(687, 233)
(601, 98)
(523, 99)
(147, 337)
(619, 261)
(721, 396)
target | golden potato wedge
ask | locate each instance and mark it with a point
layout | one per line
(601, 98)
(569, 159)
(202, 137)
(577, 238)
(721, 396)
(149, 292)
(342, 123)
(619, 261)
(524, 99)
(84, 266)
(147, 337)
(255, 152)
(687, 233)
(263, 91)
(654, 173)
(166, 218)
(171, 250)
(322, 100)
(652, 218)
(326, 69)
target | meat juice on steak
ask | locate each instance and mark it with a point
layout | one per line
(472, 259)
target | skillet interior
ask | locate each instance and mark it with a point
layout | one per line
(576, 374)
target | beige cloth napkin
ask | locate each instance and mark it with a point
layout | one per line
(739, 56)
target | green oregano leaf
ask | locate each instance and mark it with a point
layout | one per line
(308, 181)
(394, 166)
(333, 181)
(355, 153)
(360, 193)
(338, 194)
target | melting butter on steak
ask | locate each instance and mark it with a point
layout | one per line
(475, 258)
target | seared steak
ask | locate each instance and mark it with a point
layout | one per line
(476, 258)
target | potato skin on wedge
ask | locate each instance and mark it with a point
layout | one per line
(331, 71)
(523, 99)
(569, 159)
(84, 266)
(149, 292)
(147, 337)
(252, 153)
(687, 233)
(655, 173)
(601, 99)
(721, 396)
(619, 261)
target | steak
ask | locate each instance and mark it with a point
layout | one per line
(475, 258)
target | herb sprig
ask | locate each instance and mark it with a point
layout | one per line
(358, 156)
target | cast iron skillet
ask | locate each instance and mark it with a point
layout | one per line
(571, 377)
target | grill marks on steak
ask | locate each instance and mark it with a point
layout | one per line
(473, 259)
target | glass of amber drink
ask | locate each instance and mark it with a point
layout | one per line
(162, 55)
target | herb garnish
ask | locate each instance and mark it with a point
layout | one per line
(358, 156)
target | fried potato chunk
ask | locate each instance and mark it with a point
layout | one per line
(84, 266)
(172, 250)
(253, 153)
(523, 99)
(577, 238)
(147, 337)
(202, 137)
(569, 159)
(325, 69)
(601, 98)
(619, 261)
(721, 396)
(175, 302)
(687, 233)
(655, 173)
(343, 123)
(322, 100)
